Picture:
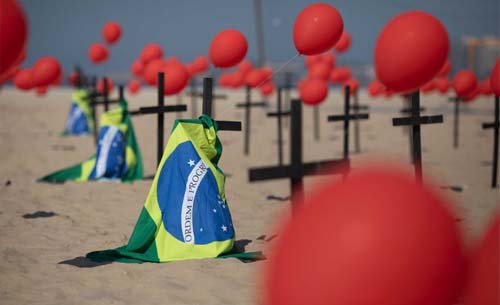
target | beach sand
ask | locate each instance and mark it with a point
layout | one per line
(41, 259)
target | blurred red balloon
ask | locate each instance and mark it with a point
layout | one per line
(237, 79)
(224, 80)
(320, 71)
(41, 90)
(58, 81)
(378, 246)
(428, 87)
(73, 78)
(200, 64)
(317, 29)
(313, 91)
(495, 78)
(353, 84)
(228, 48)
(312, 60)
(375, 88)
(13, 35)
(176, 78)
(410, 51)
(133, 86)
(46, 70)
(471, 96)
(340, 74)
(344, 43)
(254, 78)
(111, 32)
(137, 67)
(328, 59)
(173, 60)
(464, 83)
(445, 70)
(442, 85)
(245, 67)
(23, 79)
(151, 51)
(100, 85)
(151, 70)
(267, 88)
(9, 74)
(483, 283)
(98, 53)
(484, 87)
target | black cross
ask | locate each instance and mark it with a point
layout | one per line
(195, 94)
(248, 105)
(297, 170)
(407, 108)
(208, 107)
(160, 110)
(347, 117)
(415, 120)
(316, 134)
(496, 126)
(279, 114)
(456, 120)
(356, 107)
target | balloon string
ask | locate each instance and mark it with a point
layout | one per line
(278, 70)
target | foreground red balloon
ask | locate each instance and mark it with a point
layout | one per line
(133, 86)
(495, 78)
(317, 29)
(410, 51)
(176, 78)
(483, 283)
(111, 32)
(151, 51)
(98, 53)
(313, 91)
(13, 34)
(228, 48)
(23, 79)
(394, 243)
(464, 83)
(344, 43)
(46, 70)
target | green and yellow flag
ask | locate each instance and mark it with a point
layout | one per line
(117, 157)
(186, 215)
(80, 121)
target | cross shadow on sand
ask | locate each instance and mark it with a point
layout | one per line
(82, 262)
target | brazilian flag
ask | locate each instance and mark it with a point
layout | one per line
(80, 120)
(186, 215)
(117, 157)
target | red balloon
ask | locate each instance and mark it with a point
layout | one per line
(46, 70)
(312, 60)
(228, 48)
(371, 247)
(328, 59)
(484, 87)
(483, 284)
(340, 74)
(237, 79)
(176, 78)
(320, 71)
(442, 85)
(495, 78)
(100, 85)
(133, 86)
(267, 89)
(151, 70)
(111, 32)
(445, 70)
(151, 51)
(375, 88)
(254, 78)
(98, 53)
(200, 64)
(225, 80)
(137, 67)
(73, 78)
(317, 29)
(353, 84)
(13, 35)
(41, 90)
(9, 74)
(428, 87)
(410, 51)
(464, 83)
(313, 91)
(23, 79)
(471, 96)
(245, 67)
(344, 43)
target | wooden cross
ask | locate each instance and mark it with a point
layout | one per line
(496, 126)
(415, 121)
(297, 170)
(356, 107)
(347, 117)
(279, 114)
(195, 94)
(248, 105)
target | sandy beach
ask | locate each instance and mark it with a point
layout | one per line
(42, 258)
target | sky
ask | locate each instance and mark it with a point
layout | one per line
(65, 29)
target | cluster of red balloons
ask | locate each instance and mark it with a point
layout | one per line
(379, 246)
(45, 72)
(246, 75)
(111, 33)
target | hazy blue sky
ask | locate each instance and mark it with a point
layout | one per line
(65, 29)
